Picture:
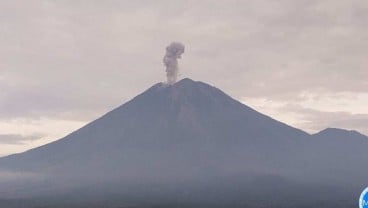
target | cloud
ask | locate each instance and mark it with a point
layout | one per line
(17, 139)
(315, 120)
(315, 112)
(65, 57)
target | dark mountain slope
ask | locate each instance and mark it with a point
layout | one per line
(175, 142)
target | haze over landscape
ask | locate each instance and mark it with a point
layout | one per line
(188, 144)
(264, 105)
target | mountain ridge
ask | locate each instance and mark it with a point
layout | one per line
(184, 138)
(187, 81)
(331, 130)
(176, 89)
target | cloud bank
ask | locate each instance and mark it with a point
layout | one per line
(18, 139)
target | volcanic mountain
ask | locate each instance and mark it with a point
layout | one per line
(189, 143)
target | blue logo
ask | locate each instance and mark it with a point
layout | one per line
(363, 201)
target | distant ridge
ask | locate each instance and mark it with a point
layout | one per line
(340, 133)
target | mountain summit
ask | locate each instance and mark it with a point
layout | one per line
(172, 142)
(166, 116)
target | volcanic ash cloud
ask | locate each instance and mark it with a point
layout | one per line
(173, 53)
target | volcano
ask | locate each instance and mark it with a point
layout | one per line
(189, 144)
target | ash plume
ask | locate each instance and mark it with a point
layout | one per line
(173, 53)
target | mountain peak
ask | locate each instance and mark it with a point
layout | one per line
(186, 81)
(189, 136)
(340, 132)
(188, 91)
(187, 84)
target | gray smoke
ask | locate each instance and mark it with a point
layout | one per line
(173, 52)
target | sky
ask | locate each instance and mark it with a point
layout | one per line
(65, 63)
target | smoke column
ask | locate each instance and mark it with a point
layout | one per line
(173, 53)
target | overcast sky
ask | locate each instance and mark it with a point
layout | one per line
(64, 63)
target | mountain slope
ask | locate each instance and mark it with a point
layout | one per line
(167, 115)
(185, 139)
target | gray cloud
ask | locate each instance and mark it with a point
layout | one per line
(76, 59)
(19, 139)
(315, 120)
(173, 53)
